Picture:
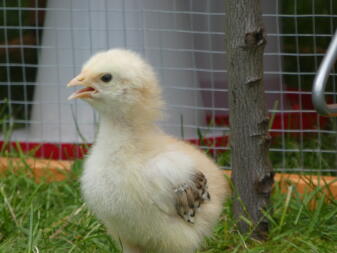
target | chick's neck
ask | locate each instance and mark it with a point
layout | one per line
(119, 131)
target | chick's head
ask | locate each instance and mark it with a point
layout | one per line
(118, 82)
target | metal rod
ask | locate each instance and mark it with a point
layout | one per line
(318, 96)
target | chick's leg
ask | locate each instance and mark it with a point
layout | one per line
(124, 246)
(128, 248)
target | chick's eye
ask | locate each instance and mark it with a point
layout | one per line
(106, 78)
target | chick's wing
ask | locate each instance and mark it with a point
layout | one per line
(176, 187)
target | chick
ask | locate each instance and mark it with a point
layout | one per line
(153, 192)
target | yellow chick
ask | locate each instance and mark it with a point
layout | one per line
(153, 192)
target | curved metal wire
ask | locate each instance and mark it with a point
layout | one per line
(318, 97)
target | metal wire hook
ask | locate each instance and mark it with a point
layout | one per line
(318, 97)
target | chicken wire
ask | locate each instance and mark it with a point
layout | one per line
(44, 44)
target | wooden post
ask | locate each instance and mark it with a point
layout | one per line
(252, 171)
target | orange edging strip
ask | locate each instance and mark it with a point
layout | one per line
(54, 170)
(309, 183)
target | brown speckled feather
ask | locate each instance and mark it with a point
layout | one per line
(190, 196)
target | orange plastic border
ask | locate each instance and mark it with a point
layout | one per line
(55, 170)
(52, 170)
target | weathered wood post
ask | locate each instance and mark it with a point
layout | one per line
(252, 171)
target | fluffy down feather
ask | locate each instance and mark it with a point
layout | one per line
(153, 192)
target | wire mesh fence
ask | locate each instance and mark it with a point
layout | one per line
(44, 43)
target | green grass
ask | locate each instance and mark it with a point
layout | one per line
(47, 217)
(51, 217)
(294, 227)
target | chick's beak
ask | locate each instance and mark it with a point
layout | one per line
(86, 92)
